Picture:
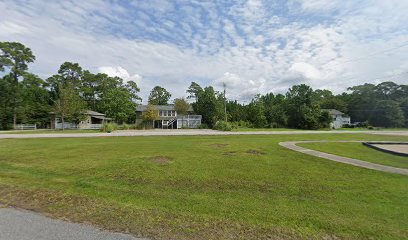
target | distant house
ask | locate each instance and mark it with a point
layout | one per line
(339, 118)
(93, 120)
(169, 118)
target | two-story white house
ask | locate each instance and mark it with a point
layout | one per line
(169, 118)
(339, 118)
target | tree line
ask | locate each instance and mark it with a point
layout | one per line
(301, 107)
(27, 98)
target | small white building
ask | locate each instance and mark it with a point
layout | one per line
(92, 120)
(339, 118)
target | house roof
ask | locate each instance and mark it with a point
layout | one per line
(333, 111)
(93, 113)
(89, 112)
(170, 107)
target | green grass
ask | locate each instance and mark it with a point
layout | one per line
(374, 129)
(359, 151)
(242, 129)
(44, 131)
(194, 187)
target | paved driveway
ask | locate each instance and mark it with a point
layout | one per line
(16, 224)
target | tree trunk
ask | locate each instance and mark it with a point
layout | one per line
(63, 122)
(15, 101)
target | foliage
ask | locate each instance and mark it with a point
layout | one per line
(15, 57)
(209, 104)
(302, 112)
(159, 96)
(194, 90)
(69, 106)
(117, 103)
(256, 112)
(222, 126)
(109, 127)
(150, 114)
(203, 126)
(181, 106)
(387, 113)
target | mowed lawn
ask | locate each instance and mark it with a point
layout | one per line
(359, 151)
(204, 187)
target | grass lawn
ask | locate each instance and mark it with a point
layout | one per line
(359, 151)
(43, 131)
(204, 187)
(263, 129)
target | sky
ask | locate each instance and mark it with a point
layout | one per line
(253, 46)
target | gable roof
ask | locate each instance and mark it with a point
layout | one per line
(88, 112)
(333, 111)
(170, 107)
(93, 113)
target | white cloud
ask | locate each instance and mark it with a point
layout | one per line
(118, 71)
(238, 87)
(306, 70)
(253, 46)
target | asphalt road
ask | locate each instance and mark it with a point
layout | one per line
(16, 224)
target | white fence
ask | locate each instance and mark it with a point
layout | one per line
(68, 125)
(26, 127)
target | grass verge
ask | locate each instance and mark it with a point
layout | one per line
(204, 187)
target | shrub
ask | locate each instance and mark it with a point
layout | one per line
(109, 127)
(124, 127)
(348, 126)
(222, 126)
(203, 126)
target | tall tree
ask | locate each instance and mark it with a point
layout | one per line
(256, 112)
(209, 104)
(15, 57)
(302, 112)
(69, 106)
(193, 90)
(6, 113)
(36, 103)
(159, 96)
(68, 74)
(118, 104)
(387, 113)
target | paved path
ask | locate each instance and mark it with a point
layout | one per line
(351, 161)
(190, 132)
(16, 224)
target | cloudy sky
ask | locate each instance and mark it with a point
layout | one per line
(253, 46)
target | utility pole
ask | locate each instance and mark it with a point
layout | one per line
(225, 101)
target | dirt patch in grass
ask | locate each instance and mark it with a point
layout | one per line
(232, 153)
(160, 160)
(219, 145)
(255, 152)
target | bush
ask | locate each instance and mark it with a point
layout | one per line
(348, 126)
(222, 126)
(109, 127)
(124, 127)
(203, 126)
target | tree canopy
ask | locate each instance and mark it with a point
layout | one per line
(159, 96)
